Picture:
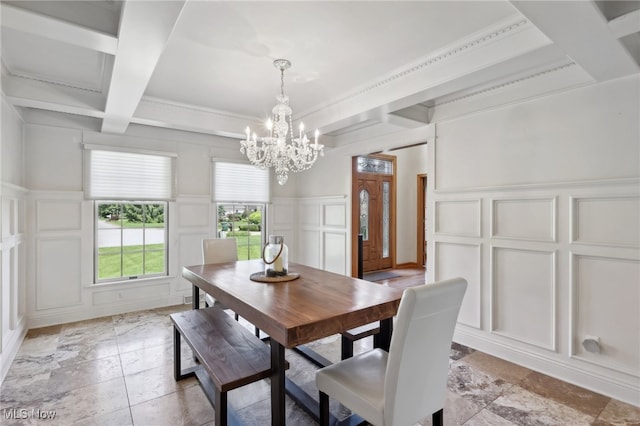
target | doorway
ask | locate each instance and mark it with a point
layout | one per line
(373, 211)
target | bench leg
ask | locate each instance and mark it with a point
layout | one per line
(437, 418)
(221, 408)
(177, 361)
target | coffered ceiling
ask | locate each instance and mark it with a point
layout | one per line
(358, 68)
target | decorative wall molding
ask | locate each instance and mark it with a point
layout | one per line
(605, 220)
(520, 309)
(524, 219)
(508, 83)
(461, 218)
(58, 279)
(557, 186)
(58, 215)
(469, 267)
(473, 42)
(612, 306)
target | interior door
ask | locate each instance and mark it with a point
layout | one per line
(373, 207)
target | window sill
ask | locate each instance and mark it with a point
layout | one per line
(142, 281)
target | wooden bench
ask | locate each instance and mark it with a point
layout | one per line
(230, 356)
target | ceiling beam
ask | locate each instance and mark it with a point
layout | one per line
(145, 28)
(626, 24)
(580, 29)
(55, 29)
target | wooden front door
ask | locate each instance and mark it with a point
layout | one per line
(373, 212)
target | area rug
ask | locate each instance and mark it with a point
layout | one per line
(379, 276)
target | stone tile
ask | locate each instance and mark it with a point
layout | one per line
(188, 406)
(84, 373)
(260, 414)
(487, 418)
(88, 402)
(565, 393)
(120, 417)
(459, 351)
(245, 396)
(497, 367)
(150, 384)
(80, 351)
(457, 411)
(43, 331)
(619, 413)
(154, 356)
(475, 385)
(526, 408)
(19, 391)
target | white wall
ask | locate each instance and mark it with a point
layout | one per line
(537, 205)
(13, 324)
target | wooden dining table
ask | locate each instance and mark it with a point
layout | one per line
(316, 305)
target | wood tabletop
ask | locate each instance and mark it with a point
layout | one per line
(316, 305)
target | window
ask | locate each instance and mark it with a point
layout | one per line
(241, 192)
(131, 191)
(131, 240)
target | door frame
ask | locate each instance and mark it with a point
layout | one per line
(355, 209)
(421, 252)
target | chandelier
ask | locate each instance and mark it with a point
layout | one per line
(281, 149)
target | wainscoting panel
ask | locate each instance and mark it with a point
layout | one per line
(335, 215)
(310, 214)
(58, 215)
(190, 253)
(523, 296)
(458, 218)
(193, 215)
(335, 252)
(524, 219)
(611, 221)
(58, 272)
(466, 265)
(8, 217)
(607, 306)
(309, 248)
(123, 295)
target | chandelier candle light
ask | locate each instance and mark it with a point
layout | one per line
(280, 149)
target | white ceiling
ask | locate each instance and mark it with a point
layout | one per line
(359, 68)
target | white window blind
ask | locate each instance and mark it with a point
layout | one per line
(240, 182)
(129, 175)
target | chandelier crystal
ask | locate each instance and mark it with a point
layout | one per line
(281, 149)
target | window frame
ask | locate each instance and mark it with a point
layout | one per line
(129, 278)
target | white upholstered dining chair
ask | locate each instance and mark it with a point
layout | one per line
(220, 250)
(410, 381)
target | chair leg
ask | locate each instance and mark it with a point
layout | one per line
(324, 409)
(437, 418)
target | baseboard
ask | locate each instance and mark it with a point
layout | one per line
(91, 312)
(407, 265)
(10, 349)
(623, 389)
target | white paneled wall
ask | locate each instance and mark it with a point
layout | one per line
(551, 250)
(315, 230)
(13, 272)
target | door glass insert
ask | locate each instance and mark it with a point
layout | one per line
(364, 214)
(385, 218)
(375, 165)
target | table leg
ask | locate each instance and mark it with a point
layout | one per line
(383, 338)
(195, 299)
(278, 413)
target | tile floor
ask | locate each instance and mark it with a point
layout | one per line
(117, 371)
